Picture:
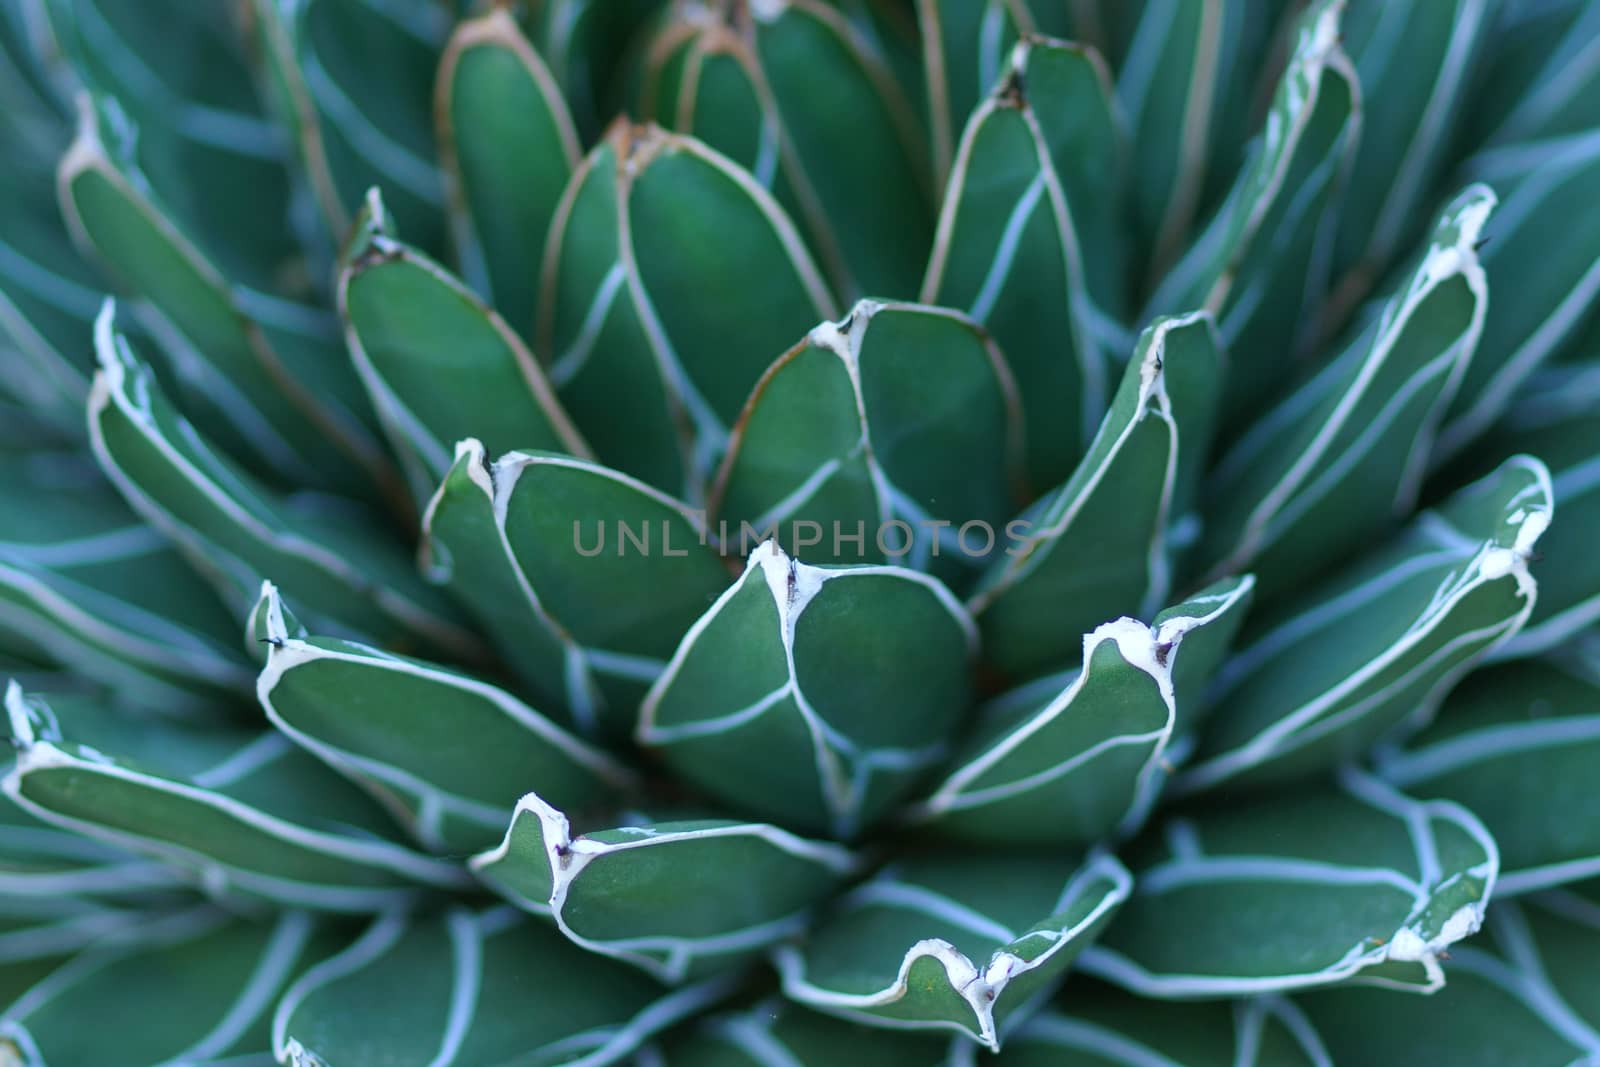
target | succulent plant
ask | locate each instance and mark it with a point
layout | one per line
(696, 532)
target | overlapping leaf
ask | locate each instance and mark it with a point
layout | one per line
(1380, 643)
(1244, 900)
(1342, 457)
(449, 755)
(677, 898)
(1539, 78)
(243, 812)
(814, 696)
(1117, 510)
(949, 941)
(466, 988)
(585, 578)
(891, 436)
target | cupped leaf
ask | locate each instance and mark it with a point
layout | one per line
(44, 862)
(194, 987)
(1069, 758)
(1264, 254)
(1519, 743)
(893, 435)
(1242, 900)
(85, 584)
(1009, 249)
(1378, 645)
(776, 1027)
(275, 398)
(351, 83)
(1523, 992)
(343, 571)
(466, 988)
(1544, 246)
(676, 898)
(447, 754)
(240, 811)
(964, 48)
(952, 941)
(1343, 456)
(780, 87)
(656, 336)
(507, 147)
(814, 696)
(1100, 543)
(437, 362)
(586, 578)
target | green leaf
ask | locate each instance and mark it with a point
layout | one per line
(1539, 81)
(814, 696)
(657, 369)
(447, 754)
(1099, 1024)
(585, 578)
(241, 812)
(346, 575)
(947, 941)
(43, 862)
(437, 362)
(1263, 255)
(507, 147)
(964, 48)
(194, 987)
(1518, 742)
(1337, 461)
(351, 81)
(587, 44)
(1009, 250)
(1557, 418)
(1544, 246)
(900, 414)
(467, 988)
(1100, 543)
(1524, 992)
(275, 398)
(1379, 644)
(775, 1027)
(85, 584)
(779, 88)
(678, 898)
(1070, 758)
(1243, 900)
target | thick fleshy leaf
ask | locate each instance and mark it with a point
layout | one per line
(437, 362)
(892, 436)
(1540, 78)
(447, 754)
(776, 1030)
(746, 80)
(1100, 545)
(1557, 418)
(194, 987)
(1261, 261)
(1342, 457)
(676, 898)
(652, 366)
(507, 147)
(1518, 743)
(585, 578)
(1417, 63)
(814, 696)
(343, 571)
(1544, 246)
(240, 811)
(1378, 645)
(85, 584)
(280, 398)
(1185, 88)
(1009, 249)
(586, 42)
(1525, 991)
(1070, 758)
(964, 48)
(1093, 1023)
(466, 988)
(351, 82)
(44, 862)
(954, 941)
(1243, 900)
